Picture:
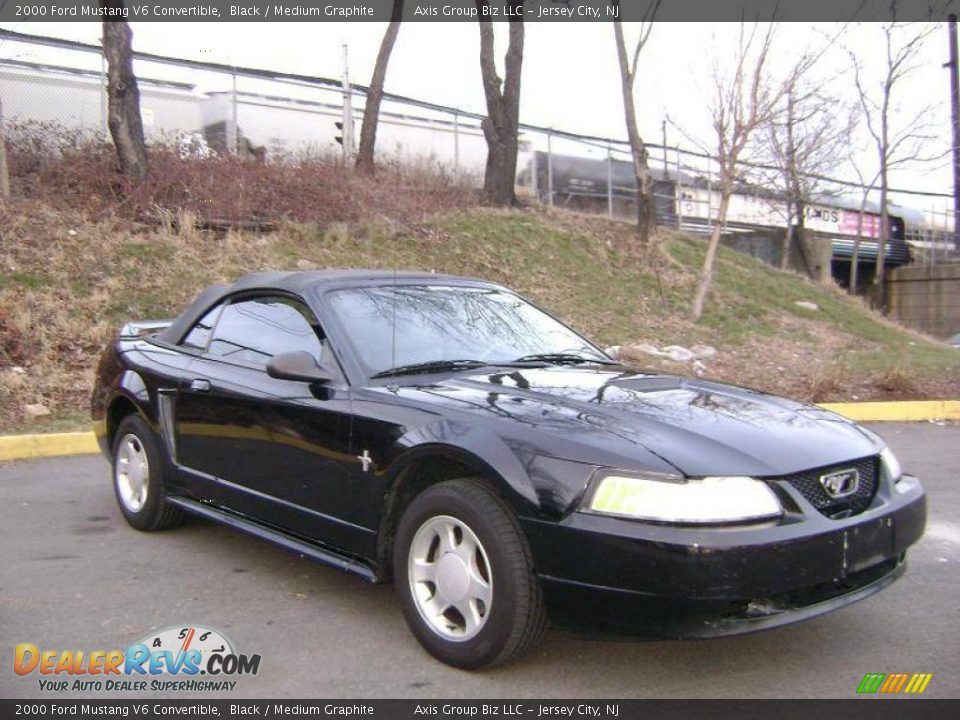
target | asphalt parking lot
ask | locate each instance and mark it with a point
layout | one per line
(74, 575)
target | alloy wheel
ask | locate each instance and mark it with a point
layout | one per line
(450, 578)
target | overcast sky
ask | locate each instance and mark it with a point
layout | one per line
(570, 74)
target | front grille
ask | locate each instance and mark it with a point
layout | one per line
(808, 483)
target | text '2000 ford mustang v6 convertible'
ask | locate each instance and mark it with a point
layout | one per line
(447, 435)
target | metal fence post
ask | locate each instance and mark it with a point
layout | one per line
(233, 131)
(666, 169)
(456, 143)
(348, 147)
(4, 168)
(549, 169)
(678, 193)
(709, 192)
(609, 181)
(534, 172)
(103, 94)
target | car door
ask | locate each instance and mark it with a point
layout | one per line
(275, 450)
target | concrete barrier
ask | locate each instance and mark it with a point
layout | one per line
(903, 411)
(22, 447)
(926, 298)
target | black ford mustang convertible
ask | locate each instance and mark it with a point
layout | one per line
(447, 435)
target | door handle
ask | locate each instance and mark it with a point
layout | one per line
(200, 385)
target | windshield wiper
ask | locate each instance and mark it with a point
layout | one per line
(564, 359)
(430, 366)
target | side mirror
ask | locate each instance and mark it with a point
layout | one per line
(298, 365)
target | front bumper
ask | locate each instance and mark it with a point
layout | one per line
(610, 575)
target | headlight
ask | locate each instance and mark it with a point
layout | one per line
(890, 466)
(699, 501)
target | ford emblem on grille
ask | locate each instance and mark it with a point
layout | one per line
(841, 483)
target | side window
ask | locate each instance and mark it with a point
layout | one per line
(199, 334)
(257, 329)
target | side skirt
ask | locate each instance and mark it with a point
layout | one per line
(301, 547)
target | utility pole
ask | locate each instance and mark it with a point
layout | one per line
(348, 146)
(955, 114)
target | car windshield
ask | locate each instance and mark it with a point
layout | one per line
(462, 326)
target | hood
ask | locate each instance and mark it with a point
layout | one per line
(615, 417)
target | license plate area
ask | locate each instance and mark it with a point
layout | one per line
(867, 544)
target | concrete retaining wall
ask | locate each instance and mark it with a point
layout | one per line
(926, 298)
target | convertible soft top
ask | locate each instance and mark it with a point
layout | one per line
(298, 282)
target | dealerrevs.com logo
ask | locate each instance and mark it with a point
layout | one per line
(189, 658)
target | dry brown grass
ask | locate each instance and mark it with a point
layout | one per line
(73, 170)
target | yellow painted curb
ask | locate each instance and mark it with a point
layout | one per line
(900, 411)
(21, 447)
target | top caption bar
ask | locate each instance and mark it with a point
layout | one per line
(471, 11)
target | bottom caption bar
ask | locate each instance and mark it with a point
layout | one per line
(513, 710)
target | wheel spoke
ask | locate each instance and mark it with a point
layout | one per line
(479, 589)
(448, 538)
(423, 571)
(435, 607)
(471, 616)
(467, 549)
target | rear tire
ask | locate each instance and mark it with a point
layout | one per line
(465, 576)
(138, 477)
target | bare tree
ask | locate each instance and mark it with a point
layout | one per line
(646, 209)
(741, 103)
(500, 126)
(126, 127)
(371, 110)
(895, 146)
(806, 139)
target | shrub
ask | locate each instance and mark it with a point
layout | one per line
(75, 170)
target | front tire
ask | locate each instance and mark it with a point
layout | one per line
(138, 475)
(465, 576)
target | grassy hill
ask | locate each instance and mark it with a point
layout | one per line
(67, 283)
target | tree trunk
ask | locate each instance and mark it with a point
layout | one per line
(884, 231)
(879, 296)
(126, 127)
(371, 110)
(787, 237)
(855, 255)
(706, 275)
(807, 247)
(646, 208)
(500, 126)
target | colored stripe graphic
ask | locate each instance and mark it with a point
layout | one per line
(871, 682)
(892, 683)
(918, 683)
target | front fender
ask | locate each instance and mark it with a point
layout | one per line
(482, 451)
